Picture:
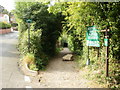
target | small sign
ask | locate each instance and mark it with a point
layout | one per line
(92, 36)
(93, 43)
(29, 21)
(106, 42)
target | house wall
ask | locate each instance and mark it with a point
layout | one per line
(4, 18)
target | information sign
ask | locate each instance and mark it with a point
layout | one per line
(92, 36)
(106, 42)
(29, 21)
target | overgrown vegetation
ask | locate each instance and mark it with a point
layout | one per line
(14, 24)
(44, 31)
(29, 59)
(4, 25)
(67, 22)
(79, 15)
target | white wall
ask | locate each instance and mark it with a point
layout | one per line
(5, 18)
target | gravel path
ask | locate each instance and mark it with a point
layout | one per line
(63, 74)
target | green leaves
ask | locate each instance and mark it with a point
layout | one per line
(68, 20)
(4, 25)
(44, 30)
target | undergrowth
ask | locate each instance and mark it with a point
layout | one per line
(96, 71)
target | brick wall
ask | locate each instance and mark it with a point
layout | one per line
(4, 31)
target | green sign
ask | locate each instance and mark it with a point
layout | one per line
(106, 42)
(29, 21)
(92, 36)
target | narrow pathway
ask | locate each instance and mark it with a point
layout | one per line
(62, 74)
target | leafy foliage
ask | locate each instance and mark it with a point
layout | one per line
(3, 10)
(14, 24)
(44, 30)
(29, 58)
(79, 15)
(4, 25)
(67, 22)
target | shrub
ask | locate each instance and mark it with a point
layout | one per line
(41, 59)
(39, 63)
(35, 41)
(29, 58)
(14, 24)
(33, 67)
(4, 25)
(47, 28)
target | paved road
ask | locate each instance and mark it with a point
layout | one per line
(9, 56)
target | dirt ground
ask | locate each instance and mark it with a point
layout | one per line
(63, 74)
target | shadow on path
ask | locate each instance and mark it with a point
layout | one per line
(63, 74)
(57, 63)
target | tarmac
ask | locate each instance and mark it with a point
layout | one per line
(10, 76)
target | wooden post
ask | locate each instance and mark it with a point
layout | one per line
(29, 37)
(107, 51)
(97, 53)
(88, 52)
(88, 59)
(107, 54)
(29, 21)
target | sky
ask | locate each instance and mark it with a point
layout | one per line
(8, 4)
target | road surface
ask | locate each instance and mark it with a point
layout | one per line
(9, 56)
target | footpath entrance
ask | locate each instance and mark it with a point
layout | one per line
(62, 74)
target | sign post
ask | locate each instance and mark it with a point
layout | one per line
(29, 21)
(92, 39)
(107, 54)
(106, 43)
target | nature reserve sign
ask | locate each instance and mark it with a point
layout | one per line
(92, 36)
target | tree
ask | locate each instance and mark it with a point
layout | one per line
(3, 10)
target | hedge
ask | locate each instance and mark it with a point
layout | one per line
(4, 25)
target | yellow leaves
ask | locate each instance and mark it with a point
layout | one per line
(29, 59)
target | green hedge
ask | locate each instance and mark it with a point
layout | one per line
(102, 14)
(36, 48)
(14, 24)
(45, 30)
(4, 25)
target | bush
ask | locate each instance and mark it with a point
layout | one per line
(35, 41)
(29, 59)
(33, 67)
(42, 62)
(41, 59)
(47, 28)
(14, 24)
(4, 25)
